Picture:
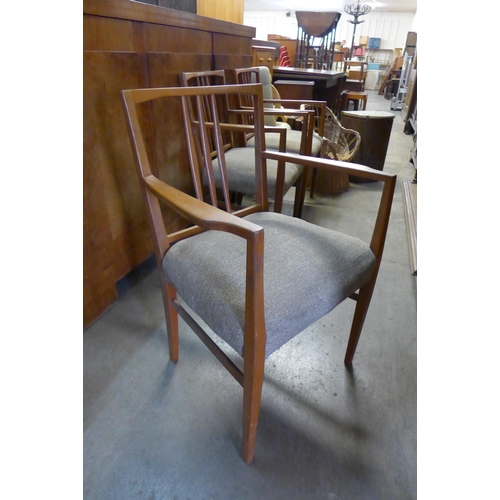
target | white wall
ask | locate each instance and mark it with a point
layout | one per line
(391, 27)
(414, 25)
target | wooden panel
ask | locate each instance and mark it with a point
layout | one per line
(228, 61)
(178, 40)
(295, 90)
(231, 51)
(113, 213)
(101, 33)
(225, 10)
(138, 12)
(165, 68)
(133, 45)
(230, 44)
(105, 75)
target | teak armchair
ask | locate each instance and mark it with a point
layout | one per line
(239, 147)
(256, 278)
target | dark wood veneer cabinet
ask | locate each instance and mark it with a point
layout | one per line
(134, 45)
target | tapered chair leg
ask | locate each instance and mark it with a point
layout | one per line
(278, 193)
(300, 193)
(363, 302)
(314, 177)
(172, 320)
(252, 391)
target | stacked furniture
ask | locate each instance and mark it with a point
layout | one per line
(316, 39)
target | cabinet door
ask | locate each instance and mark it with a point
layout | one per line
(263, 56)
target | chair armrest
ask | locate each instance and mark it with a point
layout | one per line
(272, 111)
(200, 213)
(307, 102)
(389, 180)
(332, 165)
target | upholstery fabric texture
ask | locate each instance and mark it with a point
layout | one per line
(240, 165)
(308, 270)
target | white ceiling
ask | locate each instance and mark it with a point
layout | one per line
(329, 5)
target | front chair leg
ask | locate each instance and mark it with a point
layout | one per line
(253, 378)
(363, 302)
(172, 320)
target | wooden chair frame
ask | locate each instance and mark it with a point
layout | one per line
(203, 216)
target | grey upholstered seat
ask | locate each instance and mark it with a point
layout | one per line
(304, 279)
(240, 179)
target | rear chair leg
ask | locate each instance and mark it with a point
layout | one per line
(300, 193)
(314, 176)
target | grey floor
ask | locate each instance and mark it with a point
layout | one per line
(154, 430)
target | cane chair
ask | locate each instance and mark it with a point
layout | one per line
(239, 148)
(256, 278)
(341, 144)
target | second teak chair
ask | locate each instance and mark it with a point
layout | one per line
(239, 155)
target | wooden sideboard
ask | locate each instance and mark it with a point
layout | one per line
(326, 82)
(133, 45)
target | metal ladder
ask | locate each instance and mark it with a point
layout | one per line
(398, 100)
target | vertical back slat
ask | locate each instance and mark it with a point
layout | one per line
(206, 147)
(220, 151)
(195, 159)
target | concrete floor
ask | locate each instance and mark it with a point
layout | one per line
(154, 430)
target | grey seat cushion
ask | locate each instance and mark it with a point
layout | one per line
(293, 138)
(308, 270)
(240, 165)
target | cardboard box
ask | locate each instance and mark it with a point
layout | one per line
(363, 40)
